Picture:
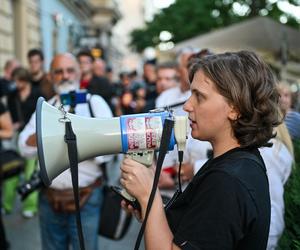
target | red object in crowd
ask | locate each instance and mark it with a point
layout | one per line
(170, 170)
(84, 84)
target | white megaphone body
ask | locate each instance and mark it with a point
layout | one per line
(139, 135)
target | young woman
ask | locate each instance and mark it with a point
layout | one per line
(6, 131)
(234, 106)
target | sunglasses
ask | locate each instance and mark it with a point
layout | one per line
(60, 71)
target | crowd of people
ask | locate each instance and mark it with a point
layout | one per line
(234, 115)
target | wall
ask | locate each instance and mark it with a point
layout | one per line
(19, 29)
(65, 18)
(6, 33)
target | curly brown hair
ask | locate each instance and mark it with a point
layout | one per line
(248, 84)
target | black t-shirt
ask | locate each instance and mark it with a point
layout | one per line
(2, 108)
(101, 86)
(21, 111)
(226, 205)
(37, 83)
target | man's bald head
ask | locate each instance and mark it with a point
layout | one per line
(64, 69)
(57, 59)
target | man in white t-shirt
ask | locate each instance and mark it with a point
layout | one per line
(196, 151)
(57, 224)
(279, 161)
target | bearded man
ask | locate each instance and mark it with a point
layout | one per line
(57, 223)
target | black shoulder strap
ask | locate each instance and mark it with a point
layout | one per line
(90, 106)
(258, 159)
(175, 105)
(70, 139)
(163, 149)
(54, 102)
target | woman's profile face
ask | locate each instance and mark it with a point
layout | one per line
(209, 112)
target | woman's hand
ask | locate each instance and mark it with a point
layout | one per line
(137, 179)
(129, 209)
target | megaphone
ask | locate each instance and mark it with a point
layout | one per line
(137, 134)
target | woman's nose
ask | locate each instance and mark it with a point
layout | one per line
(187, 105)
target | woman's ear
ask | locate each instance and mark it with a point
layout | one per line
(233, 113)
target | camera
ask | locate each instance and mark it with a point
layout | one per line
(7, 87)
(31, 185)
(73, 97)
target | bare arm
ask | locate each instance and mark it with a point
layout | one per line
(6, 126)
(137, 179)
(158, 234)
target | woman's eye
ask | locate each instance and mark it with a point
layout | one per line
(198, 96)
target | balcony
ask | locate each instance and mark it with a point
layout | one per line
(105, 13)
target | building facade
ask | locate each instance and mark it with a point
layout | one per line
(19, 29)
(133, 16)
(55, 26)
(62, 23)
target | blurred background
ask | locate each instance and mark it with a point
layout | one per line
(128, 34)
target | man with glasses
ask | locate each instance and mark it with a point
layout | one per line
(167, 78)
(58, 222)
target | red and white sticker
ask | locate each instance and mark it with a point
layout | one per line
(143, 132)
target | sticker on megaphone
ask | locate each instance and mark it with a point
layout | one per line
(142, 132)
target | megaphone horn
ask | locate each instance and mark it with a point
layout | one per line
(95, 136)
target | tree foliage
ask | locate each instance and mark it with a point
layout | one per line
(290, 239)
(187, 18)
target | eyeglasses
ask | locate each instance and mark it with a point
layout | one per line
(60, 71)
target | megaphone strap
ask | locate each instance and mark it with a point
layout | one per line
(163, 149)
(70, 139)
(90, 106)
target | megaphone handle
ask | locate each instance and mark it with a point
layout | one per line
(145, 158)
(127, 197)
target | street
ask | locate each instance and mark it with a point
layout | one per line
(24, 234)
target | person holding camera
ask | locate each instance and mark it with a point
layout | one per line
(6, 132)
(234, 106)
(56, 203)
(21, 105)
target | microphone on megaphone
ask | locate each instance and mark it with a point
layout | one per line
(138, 135)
